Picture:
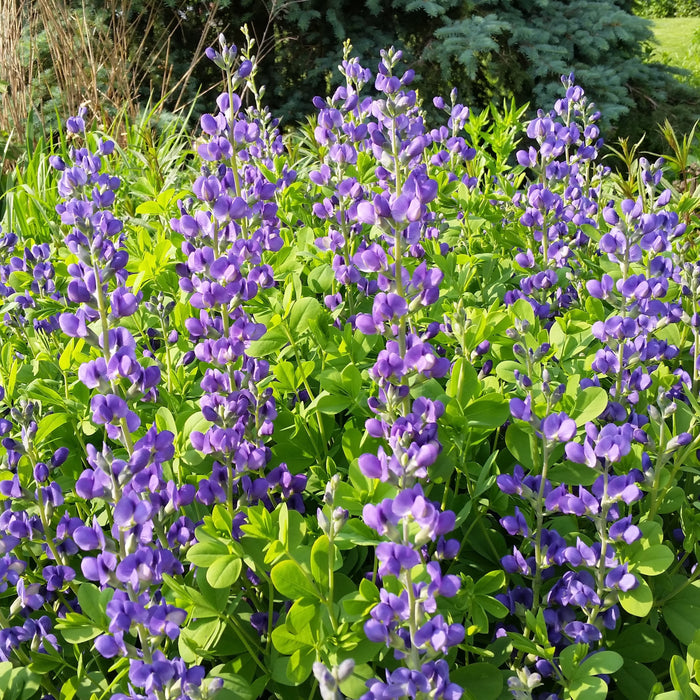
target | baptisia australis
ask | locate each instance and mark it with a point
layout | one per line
(562, 203)
(571, 585)
(227, 232)
(142, 538)
(26, 521)
(386, 265)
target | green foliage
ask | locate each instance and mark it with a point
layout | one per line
(489, 49)
(316, 582)
(666, 8)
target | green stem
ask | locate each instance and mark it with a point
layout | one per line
(305, 382)
(539, 517)
(242, 635)
(414, 655)
(168, 360)
(331, 578)
(102, 308)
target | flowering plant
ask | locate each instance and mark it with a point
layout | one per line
(387, 409)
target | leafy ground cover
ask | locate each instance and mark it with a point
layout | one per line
(386, 410)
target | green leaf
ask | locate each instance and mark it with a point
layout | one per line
(17, 683)
(492, 582)
(195, 422)
(200, 636)
(589, 688)
(638, 602)
(235, 687)
(482, 681)
(522, 643)
(206, 553)
(319, 560)
(299, 618)
(320, 279)
(77, 628)
(653, 560)
(93, 602)
(43, 663)
(330, 403)
(222, 520)
(285, 641)
(523, 311)
(570, 658)
(356, 685)
(489, 411)
(292, 528)
(518, 444)
(599, 663)
(463, 382)
(572, 473)
(273, 340)
(640, 643)
(357, 533)
(284, 373)
(224, 571)
(635, 680)
(302, 311)
(165, 420)
(590, 403)
(64, 359)
(38, 390)
(48, 424)
(674, 498)
(652, 533)
(352, 380)
(369, 590)
(204, 608)
(680, 677)
(291, 581)
(300, 665)
(149, 207)
(682, 612)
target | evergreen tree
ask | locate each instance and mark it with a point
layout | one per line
(521, 48)
(488, 49)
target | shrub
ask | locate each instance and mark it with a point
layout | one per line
(388, 411)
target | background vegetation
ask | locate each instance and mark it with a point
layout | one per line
(121, 55)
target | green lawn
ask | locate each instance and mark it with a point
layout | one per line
(674, 35)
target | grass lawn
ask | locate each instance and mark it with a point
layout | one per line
(674, 35)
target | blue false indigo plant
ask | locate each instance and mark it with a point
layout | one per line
(387, 410)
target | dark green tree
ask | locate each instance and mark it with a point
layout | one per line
(488, 49)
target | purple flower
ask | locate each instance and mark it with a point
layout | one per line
(621, 579)
(57, 576)
(521, 409)
(515, 524)
(582, 632)
(558, 427)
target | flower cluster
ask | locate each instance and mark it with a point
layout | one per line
(378, 261)
(35, 262)
(563, 201)
(226, 234)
